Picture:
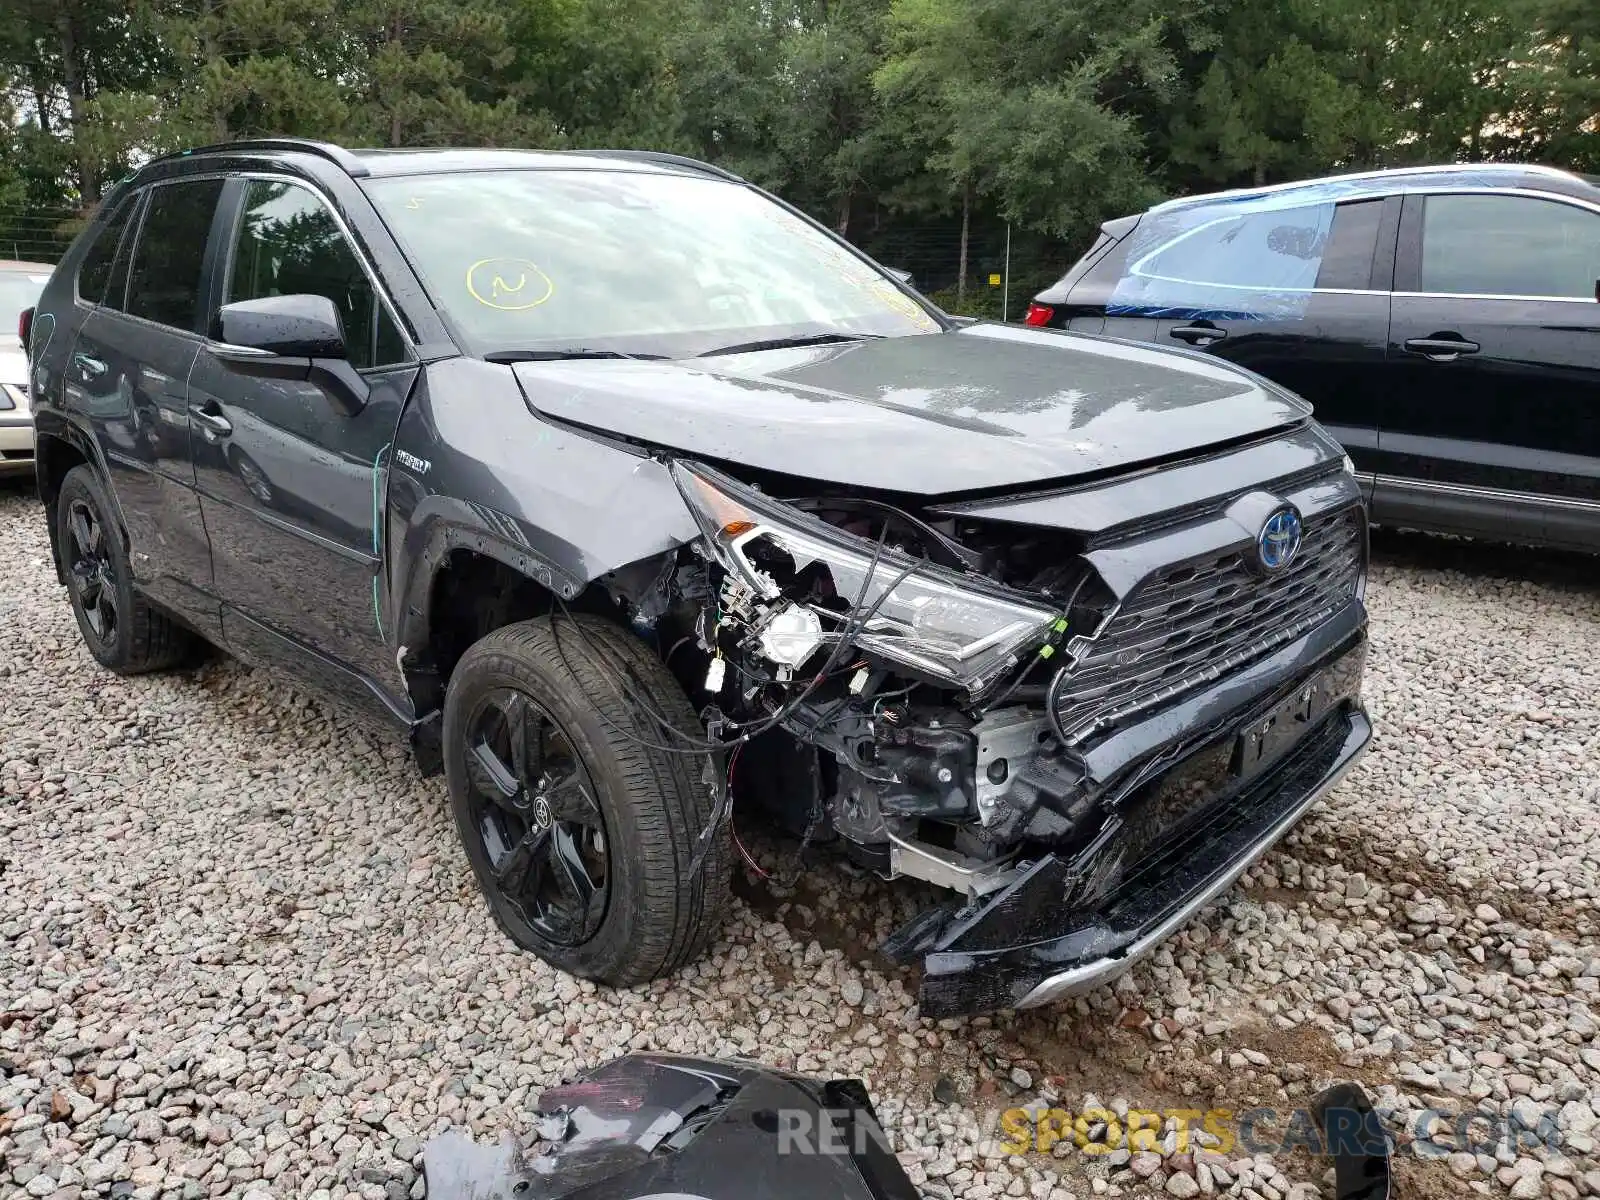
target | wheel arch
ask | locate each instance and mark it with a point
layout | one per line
(468, 584)
(55, 454)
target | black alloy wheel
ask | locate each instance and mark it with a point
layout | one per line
(534, 809)
(595, 848)
(90, 572)
(120, 627)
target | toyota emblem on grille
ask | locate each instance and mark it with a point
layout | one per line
(1279, 540)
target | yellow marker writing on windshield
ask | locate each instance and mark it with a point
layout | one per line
(509, 284)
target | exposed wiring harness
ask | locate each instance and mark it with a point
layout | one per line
(631, 689)
(749, 861)
(1045, 652)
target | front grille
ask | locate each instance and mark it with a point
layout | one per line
(1192, 623)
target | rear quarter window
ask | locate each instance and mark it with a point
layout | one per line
(1108, 259)
(1276, 248)
(94, 272)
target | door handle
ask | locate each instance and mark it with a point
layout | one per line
(213, 425)
(1198, 335)
(89, 369)
(1440, 347)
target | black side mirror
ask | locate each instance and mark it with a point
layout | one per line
(290, 337)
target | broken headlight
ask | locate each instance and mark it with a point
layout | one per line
(957, 629)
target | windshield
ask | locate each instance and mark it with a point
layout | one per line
(19, 290)
(631, 261)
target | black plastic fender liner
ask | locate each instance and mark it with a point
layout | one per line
(1354, 1137)
(665, 1127)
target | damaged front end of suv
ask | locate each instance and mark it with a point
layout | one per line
(1084, 712)
(673, 496)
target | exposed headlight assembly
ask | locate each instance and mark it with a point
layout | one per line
(932, 620)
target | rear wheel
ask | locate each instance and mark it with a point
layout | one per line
(583, 837)
(122, 630)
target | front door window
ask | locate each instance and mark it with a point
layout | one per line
(1509, 246)
(288, 243)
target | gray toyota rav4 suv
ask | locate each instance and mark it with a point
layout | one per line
(639, 502)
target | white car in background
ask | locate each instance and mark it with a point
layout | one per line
(20, 285)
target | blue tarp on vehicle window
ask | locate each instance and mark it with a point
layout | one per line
(1251, 255)
(1235, 261)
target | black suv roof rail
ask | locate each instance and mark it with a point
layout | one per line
(352, 164)
(347, 161)
(661, 156)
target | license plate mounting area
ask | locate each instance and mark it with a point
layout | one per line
(1270, 735)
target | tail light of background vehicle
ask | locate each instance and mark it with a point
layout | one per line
(24, 324)
(1039, 314)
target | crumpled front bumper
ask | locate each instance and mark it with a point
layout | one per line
(1042, 939)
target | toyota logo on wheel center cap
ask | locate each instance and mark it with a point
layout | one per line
(541, 813)
(1279, 540)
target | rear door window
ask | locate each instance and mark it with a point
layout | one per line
(169, 257)
(1275, 248)
(1348, 252)
(1476, 245)
(289, 243)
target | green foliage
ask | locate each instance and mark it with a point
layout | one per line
(1024, 103)
(1279, 90)
(1049, 115)
(598, 68)
(1559, 82)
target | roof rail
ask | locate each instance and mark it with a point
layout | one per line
(1377, 175)
(347, 161)
(661, 156)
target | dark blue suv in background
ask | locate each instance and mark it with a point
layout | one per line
(1444, 323)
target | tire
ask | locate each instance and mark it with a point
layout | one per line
(659, 912)
(122, 629)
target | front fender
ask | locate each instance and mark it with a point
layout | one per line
(475, 470)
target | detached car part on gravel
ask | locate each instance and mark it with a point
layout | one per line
(660, 1126)
(673, 499)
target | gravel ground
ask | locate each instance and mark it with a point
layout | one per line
(241, 953)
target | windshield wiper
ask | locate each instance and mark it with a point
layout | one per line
(804, 339)
(559, 355)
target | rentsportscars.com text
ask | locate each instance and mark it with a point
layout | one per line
(1429, 1133)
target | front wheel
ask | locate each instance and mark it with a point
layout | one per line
(582, 830)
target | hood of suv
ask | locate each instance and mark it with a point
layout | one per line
(987, 406)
